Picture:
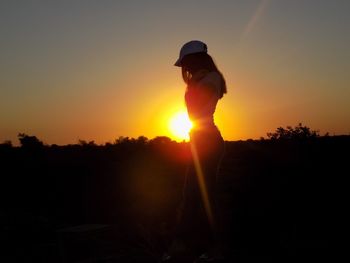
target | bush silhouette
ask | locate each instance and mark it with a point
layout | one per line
(298, 132)
(29, 142)
(6, 145)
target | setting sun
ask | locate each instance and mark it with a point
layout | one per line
(180, 126)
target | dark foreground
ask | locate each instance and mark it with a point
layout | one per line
(282, 200)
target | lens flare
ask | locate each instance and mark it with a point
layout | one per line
(202, 185)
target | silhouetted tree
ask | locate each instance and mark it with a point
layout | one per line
(85, 143)
(159, 140)
(298, 132)
(6, 145)
(142, 140)
(29, 142)
(122, 139)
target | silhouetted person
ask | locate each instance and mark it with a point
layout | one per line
(199, 217)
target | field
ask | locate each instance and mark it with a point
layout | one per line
(282, 200)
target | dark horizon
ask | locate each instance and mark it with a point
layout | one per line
(279, 197)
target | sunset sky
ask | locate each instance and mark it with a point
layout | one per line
(97, 70)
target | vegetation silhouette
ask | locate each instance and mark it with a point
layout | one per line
(298, 132)
(280, 197)
(29, 142)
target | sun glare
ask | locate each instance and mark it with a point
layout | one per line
(180, 126)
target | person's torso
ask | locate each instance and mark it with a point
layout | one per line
(201, 98)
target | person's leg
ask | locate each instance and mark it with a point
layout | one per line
(210, 164)
(190, 205)
(189, 216)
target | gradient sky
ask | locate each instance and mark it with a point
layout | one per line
(97, 70)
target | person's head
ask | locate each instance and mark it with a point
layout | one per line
(193, 58)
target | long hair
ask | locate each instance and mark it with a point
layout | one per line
(193, 63)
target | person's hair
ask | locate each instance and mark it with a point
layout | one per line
(193, 63)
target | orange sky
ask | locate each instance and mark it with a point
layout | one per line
(97, 71)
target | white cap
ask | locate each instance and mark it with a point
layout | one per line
(194, 46)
